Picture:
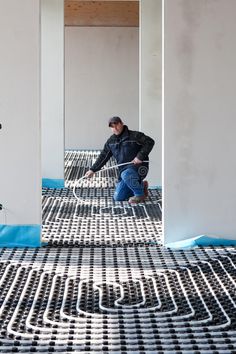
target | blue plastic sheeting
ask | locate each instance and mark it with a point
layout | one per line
(201, 240)
(20, 235)
(53, 183)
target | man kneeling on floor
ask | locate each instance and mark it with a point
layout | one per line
(126, 146)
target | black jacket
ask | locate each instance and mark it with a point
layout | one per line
(125, 147)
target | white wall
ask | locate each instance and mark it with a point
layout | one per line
(151, 82)
(101, 80)
(20, 187)
(200, 124)
(52, 88)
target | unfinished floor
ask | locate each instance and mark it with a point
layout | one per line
(104, 283)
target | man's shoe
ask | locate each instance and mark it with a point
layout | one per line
(137, 199)
(145, 187)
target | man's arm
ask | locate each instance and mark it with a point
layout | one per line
(147, 145)
(102, 159)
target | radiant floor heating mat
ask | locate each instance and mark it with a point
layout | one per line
(104, 283)
(95, 218)
(140, 299)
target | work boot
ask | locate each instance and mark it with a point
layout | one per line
(145, 187)
(137, 199)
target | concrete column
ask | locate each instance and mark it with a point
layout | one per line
(151, 82)
(200, 124)
(52, 92)
(20, 187)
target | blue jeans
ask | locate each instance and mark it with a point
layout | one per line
(130, 184)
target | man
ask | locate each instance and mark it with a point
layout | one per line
(126, 146)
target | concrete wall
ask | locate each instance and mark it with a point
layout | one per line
(20, 187)
(52, 88)
(200, 124)
(151, 82)
(101, 80)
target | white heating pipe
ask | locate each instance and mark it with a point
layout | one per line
(104, 169)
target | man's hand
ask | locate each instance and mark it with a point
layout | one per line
(136, 161)
(89, 174)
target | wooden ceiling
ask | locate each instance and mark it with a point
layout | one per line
(102, 13)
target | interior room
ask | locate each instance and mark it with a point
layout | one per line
(99, 97)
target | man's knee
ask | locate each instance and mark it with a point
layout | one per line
(131, 178)
(127, 174)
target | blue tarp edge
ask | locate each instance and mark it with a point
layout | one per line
(53, 183)
(201, 240)
(20, 235)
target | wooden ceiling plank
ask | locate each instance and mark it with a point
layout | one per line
(102, 13)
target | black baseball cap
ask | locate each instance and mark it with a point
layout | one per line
(114, 120)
